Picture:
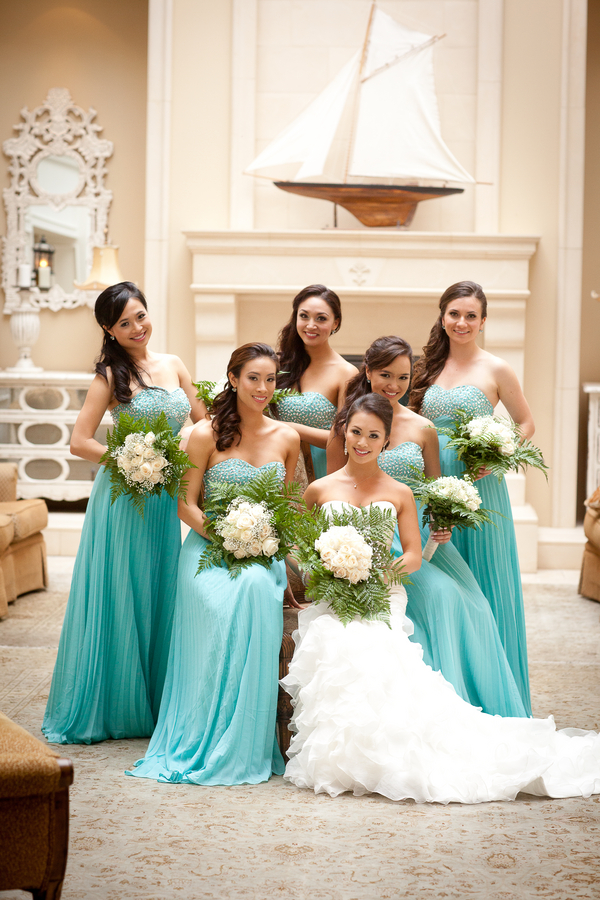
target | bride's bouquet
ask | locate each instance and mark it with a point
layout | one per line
(448, 502)
(347, 563)
(250, 523)
(208, 391)
(143, 459)
(492, 443)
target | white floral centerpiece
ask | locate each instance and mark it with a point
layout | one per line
(492, 443)
(448, 502)
(347, 563)
(143, 459)
(250, 523)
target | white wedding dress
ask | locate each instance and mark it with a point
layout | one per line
(371, 717)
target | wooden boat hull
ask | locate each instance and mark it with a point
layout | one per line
(375, 205)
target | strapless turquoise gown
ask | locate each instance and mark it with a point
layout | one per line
(452, 619)
(217, 717)
(491, 552)
(114, 644)
(314, 410)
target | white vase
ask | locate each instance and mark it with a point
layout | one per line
(25, 330)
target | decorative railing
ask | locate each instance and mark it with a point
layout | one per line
(37, 414)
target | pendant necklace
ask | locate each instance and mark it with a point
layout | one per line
(354, 484)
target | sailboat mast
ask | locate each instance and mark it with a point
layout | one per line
(357, 92)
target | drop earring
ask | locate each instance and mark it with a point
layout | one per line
(345, 449)
(234, 389)
(112, 337)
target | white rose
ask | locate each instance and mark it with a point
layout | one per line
(137, 461)
(146, 470)
(246, 535)
(239, 553)
(156, 478)
(270, 546)
(245, 520)
(159, 463)
(125, 463)
(341, 572)
(149, 453)
(255, 548)
(149, 439)
(138, 448)
(228, 545)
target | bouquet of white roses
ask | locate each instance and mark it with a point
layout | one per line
(208, 391)
(250, 523)
(347, 563)
(143, 458)
(448, 502)
(492, 443)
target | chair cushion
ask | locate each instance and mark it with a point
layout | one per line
(28, 516)
(591, 527)
(7, 532)
(27, 767)
(8, 482)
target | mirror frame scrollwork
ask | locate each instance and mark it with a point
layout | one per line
(56, 128)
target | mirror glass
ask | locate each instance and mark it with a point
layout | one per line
(58, 174)
(68, 230)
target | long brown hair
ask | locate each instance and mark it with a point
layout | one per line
(382, 352)
(435, 352)
(293, 355)
(108, 310)
(226, 418)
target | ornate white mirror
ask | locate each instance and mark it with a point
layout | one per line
(56, 197)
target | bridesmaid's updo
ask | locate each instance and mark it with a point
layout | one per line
(435, 352)
(293, 355)
(226, 418)
(108, 310)
(377, 406)
(382, 352)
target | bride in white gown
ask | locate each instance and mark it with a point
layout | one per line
(371, 717)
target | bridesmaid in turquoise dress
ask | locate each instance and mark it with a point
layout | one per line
(454, 373)
(452, 619)
(112, 655)
(217, 718)
(309, 365)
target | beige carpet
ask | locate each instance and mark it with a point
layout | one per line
(137, 839)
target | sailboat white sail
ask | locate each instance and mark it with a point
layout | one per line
(381, 109)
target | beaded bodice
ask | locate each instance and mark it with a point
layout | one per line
(441, 403)
(400, 462)
(150, 402)
(237, 471)
(309, 408)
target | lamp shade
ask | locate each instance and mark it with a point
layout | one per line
(105, 269)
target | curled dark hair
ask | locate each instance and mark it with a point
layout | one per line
(108, 309)
(293, 355)
(378, 406)
(382, 352)
(435, 352)
(226, 418)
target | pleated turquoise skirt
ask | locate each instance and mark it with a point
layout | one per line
(218, 715)
(319, 460)
(454, 625)
(491, 554)
(114, 644)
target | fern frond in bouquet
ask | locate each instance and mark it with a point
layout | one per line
(143, 459)
(208, 391)
(347, 563)
(250, 523)
(448, 502)
(492, 443)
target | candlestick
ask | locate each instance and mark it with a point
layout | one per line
(24, 280)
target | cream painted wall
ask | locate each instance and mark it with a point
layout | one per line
(200, 147)
(96, 49)
(302, 45)
(529, 199)
(590, 308)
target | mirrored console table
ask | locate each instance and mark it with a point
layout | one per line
(37, 414)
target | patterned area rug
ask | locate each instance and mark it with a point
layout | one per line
(137, 839)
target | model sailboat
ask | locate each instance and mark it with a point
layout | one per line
(371, 141)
